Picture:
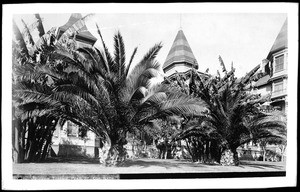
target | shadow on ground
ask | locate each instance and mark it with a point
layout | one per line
(168, 163)
(73, 160)
(260, 165)
(164, 163)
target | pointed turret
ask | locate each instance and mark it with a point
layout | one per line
(281, 41)
(84, 36)
(180, 57)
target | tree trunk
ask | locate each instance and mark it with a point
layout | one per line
(30, 142)
(18, 150)
(165, 148)
(230, 157)
(114, 152)
(47, 144)
(207, 151)
(215, 151)
(201, 156)
(282, 153)
(31, 145)
(22, 143)
(189, 150)
(235, 157)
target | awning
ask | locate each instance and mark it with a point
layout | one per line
(266, 103)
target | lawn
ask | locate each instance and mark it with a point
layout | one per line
(139, 166)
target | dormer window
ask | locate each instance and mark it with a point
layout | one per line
(279, 63)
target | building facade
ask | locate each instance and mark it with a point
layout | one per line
(270, 82)
(278, 62)
(273, 72)
(68, 139)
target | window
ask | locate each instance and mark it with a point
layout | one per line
(279, 62)
(278, 87)
(82, 132)
(72, 129)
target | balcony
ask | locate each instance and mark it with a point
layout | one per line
(278, 93)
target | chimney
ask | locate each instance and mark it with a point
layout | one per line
(263, 64)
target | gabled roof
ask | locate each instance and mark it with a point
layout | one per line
(84, 34)
(281, 41)
(180, 52)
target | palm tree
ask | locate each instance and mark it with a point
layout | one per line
(201, 139)
(97, 89)
(161, 133)
(233, 117)
(243, 122)
(34, 117)
(280, 142)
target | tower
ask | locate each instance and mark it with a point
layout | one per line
(180, 57)
(278, 57)
(84, 37)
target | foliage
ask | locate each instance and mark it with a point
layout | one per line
(233, 117)
(33, 120)
(95, 88)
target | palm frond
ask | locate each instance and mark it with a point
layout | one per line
(140, 76)
(130, 61)
(46, 70)
(183, 105)
(107, 56)
(152, 53)
(72, 89)
(40, 26)
(102, 62)
(161, 89)
(31, 95)
(35, 113)
(119, 59)
(20, 40)
(95, 64)
(25, 71)
(174, 104)
(45, 42)
(26, 33)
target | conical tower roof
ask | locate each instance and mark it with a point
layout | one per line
(281, 41)
(84, 34)
(180, 52)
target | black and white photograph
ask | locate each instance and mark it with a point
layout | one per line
(149, 96)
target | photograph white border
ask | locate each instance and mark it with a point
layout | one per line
(291, 169)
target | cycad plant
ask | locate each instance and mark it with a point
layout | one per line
(98, 89)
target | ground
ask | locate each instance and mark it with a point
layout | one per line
(73, 167)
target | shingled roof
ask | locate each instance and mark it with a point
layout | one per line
(180, 52)
(84, 34)
(281, 41)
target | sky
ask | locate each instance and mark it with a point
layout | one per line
(243, 39)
